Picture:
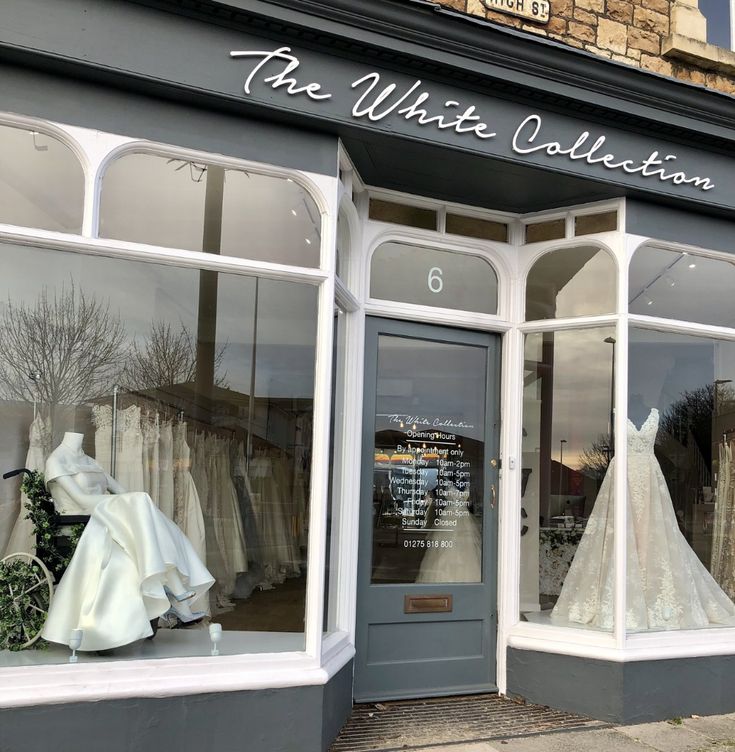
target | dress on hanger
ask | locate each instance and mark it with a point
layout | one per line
(460, 559)
(23, 537)
(187, 507)
(129, 467)
(102, 420)
(667, 586)
(246, 581)
(115, 582)
(277, 550)
(151, 458)
(723, 533)
(166, 470)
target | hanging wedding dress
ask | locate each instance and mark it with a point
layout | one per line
(151, 462)
(277, 548)
(254, 577)
(129, 468)
(723, 533)
(166, 469)
(187, 506)
(102, 420)
(117, 579)
(23, 536)
(457, 555)
(667, 586)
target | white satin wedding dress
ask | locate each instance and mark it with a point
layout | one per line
(667, 586)
(114, 585)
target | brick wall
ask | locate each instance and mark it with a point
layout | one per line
(629, 31)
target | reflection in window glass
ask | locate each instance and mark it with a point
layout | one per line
(402, 214)
(212, 376)
(553, 229)
(675, 285)
(681, 486)
(567, 501)
(426, 276)
(571, 282)
(41, 181)
(428, 480)
(203, 207)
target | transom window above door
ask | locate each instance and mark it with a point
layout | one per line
(410, 273)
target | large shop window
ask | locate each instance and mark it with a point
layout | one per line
(681, 485)
(41, 181)
(567, 450)
(178, 203)
(681, 409)
(193, 387)
(568, 444)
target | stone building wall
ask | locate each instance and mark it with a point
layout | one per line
(664, 36)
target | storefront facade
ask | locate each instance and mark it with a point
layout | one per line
(388, 310)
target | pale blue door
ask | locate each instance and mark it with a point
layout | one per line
(426, 605)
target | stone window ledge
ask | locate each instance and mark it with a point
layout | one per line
(708, 56)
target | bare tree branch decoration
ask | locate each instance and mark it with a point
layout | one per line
(65, 348)
(166, 357)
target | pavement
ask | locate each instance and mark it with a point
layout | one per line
(696, 734)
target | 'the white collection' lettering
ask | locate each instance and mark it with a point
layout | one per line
(414, 104)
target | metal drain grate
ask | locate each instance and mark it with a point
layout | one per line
(409, 724)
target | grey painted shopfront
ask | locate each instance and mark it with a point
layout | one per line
(427, 273)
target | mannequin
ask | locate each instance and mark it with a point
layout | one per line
(132, 563)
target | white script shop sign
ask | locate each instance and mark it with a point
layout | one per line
(376, 100)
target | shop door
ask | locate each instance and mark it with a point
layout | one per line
(426, 604)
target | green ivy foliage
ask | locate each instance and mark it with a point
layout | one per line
(40, 511)
(22, 613)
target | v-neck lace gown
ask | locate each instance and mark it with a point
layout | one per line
(668, 587)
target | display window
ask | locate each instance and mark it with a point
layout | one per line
(681, 411)
(164, 411)
(567, 443)
(669, 568)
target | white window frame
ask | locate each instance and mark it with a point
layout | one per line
(42, 684)
(621, 646)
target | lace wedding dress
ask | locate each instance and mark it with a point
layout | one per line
(23, 536)
(667, 586)
(457, 555)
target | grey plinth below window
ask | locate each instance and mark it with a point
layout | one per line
(633, 692)
(292, 719)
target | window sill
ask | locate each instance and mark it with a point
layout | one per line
(701, 54)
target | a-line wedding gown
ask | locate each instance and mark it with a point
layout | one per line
(114, 585)
(667, 586)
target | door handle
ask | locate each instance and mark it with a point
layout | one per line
(494, 496)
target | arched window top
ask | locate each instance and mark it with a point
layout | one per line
(198, 206)
(433, 277)
(570, 282)
(680, 285)
(41, 181)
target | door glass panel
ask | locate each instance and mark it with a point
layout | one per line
(428, 461)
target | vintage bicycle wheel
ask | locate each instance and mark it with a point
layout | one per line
(26, 589)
